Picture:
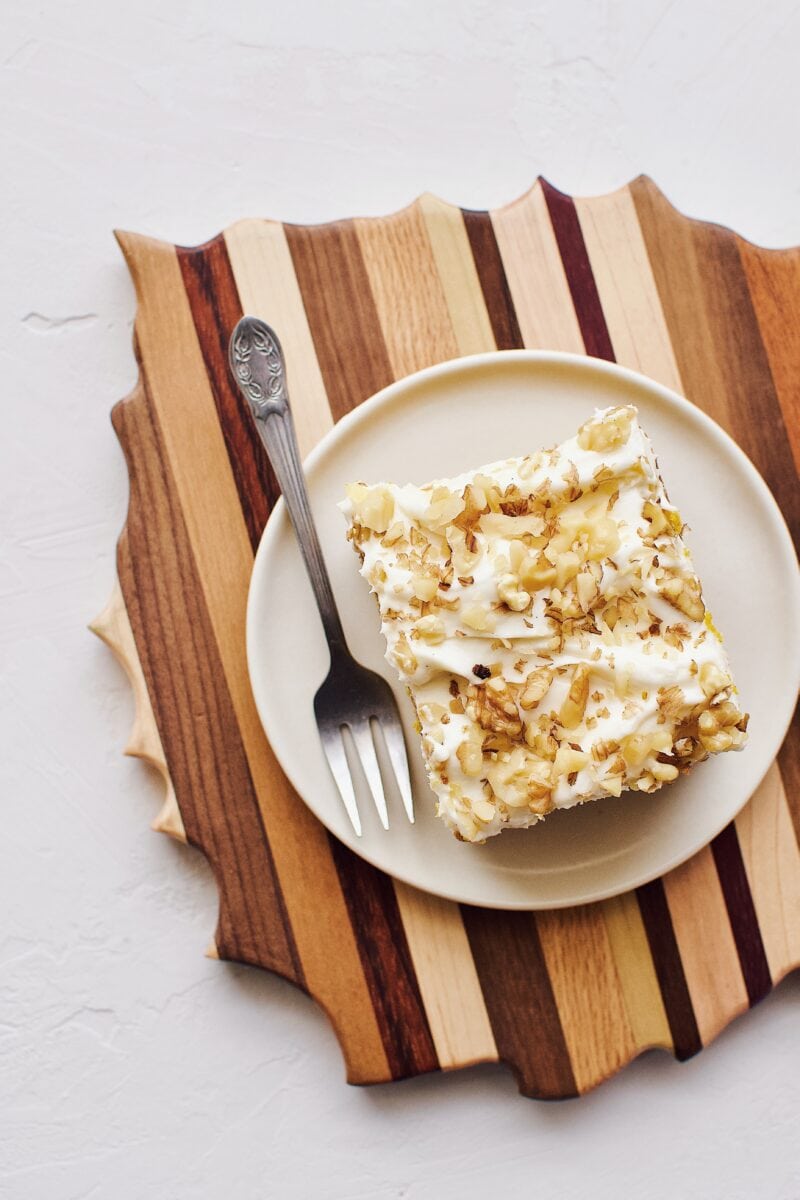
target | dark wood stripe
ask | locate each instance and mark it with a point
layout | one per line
(341, 312)
(493, 281)
(191, 702)
(742, 913)
(578, 269)
(716, 338)
(520, 1001)
(669, 969)
(214, 301)
(386, 959)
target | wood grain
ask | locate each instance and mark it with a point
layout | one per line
(636, 973)
(447, 978)
(705, 943)
(537, 278)
(458, 275)
(626, 287)
(409, 294)
(579, 959)
(668, 966)
(773, 280)
(493, 280)
(412, 983)
(523, 1012)
(341, 312)
(579, 273)
(772, 861)
(716, 337)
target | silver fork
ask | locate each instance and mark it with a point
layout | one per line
(351, 697)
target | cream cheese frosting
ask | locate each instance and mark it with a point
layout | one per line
(546, 618)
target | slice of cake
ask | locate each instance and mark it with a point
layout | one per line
(546, 618)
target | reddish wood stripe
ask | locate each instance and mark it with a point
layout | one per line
(669, 969)
(582, 286)
(519, 1000)
(385, 957)
(214, 301)
(341, 313)
(192, 705)
(744, 922)
(493, 281)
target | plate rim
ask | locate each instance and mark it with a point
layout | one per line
(366, 411)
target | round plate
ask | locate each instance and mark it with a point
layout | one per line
(449, 419)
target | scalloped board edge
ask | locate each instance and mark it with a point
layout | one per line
(113, 627)
(411, 983)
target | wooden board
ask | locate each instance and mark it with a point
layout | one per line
(412, 983)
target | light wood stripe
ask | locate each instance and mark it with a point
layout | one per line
(459, 278)
(407, 290)
(772, 861)
(587, 992)
(637, 977)
(705, 940)
(626, 286)
(447, 978)
(262, 267)
(536, 277)
(192, 435)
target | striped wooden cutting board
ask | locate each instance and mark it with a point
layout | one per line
(412, 983)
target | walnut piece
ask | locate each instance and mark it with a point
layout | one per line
(495, 709)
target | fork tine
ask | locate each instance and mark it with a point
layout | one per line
(362, 736)
(392, 732)
(333, 745)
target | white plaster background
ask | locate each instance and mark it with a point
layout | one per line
(130, 1065)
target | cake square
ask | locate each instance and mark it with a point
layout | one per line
(547, 621)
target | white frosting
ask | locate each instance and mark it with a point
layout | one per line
(627, 670)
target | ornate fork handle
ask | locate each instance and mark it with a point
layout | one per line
(257, 365)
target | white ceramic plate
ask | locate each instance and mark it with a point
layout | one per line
(460, 415)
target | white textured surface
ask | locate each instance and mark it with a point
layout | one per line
(130, 1065)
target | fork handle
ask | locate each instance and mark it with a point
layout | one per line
(258, 366)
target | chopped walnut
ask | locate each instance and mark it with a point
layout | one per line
(671, 703)
(536, 687)
(683, 593)
(495, 709)
(574, 705)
